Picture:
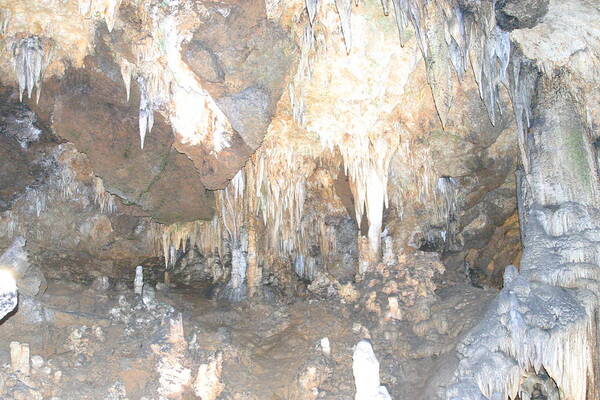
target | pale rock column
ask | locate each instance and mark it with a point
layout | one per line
(19, 357)
(366, 374)
(138, 283)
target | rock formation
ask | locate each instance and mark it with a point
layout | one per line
(296, 177)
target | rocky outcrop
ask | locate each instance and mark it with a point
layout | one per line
(244, 60)
(90, 110)
(512, 14)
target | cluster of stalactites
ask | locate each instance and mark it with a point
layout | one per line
(522, 79)
(103, 199)
(61, 184)
(470, 38)
(149, 85)
(152, 85)
(206, 235)
(268, 193)
(312, 44)
(280, 202)
(105, 8)
(31, 56)
(367, 166)
(446, 194)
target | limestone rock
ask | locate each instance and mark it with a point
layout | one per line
(207, 384)
(30, 279)
(366, 374)
(19, 357)
(515, 14)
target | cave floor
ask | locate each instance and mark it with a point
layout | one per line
(111, 344)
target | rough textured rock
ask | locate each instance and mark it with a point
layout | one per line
(363, 165)
(514, 14)
(18, 130)
(91, 111)
(245, 59)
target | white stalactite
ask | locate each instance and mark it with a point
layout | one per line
(146, 114)
(311, 8)
(344, 9)
(29, 61)
(127, 69)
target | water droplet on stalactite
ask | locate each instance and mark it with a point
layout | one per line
(29, 64)
(311, 7)
(344, 9)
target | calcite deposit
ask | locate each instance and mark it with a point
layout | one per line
(287, 199)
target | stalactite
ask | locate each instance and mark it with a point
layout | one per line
(475, 37)
(110, 13)
(104, 200)
(522, 78)
(386, 7)
(311, 8)
(127, 69)
(490, 56)
(447, 188)
(439, 70)
(30, 60)
(105, 8)
(367, 165)
(344, 9)
(5, 16)
(146, 114)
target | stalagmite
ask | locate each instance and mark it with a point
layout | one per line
(253, 275)
(138, 282)
(207, 385)
(544, 317)
(325, 346)
(19, 357)
(149, 296)
(344, 9)
(366, 374)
